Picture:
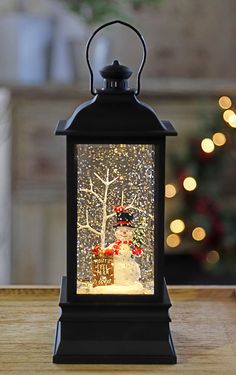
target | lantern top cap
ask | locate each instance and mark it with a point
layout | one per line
(116, 77)
(116, 71)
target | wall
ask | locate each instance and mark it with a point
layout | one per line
(185, 39)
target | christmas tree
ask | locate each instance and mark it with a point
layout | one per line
(203, 224)
(140, 232)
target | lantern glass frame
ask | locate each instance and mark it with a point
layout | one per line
(159, 196)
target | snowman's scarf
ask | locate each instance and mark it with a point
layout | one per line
(115, 248)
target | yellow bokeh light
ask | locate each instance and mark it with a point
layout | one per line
(177, 226)
(170, 191)
(225, 102)
(173, 240)
(199, 234)
(219, 139)
(213, 257)
(189, 183)
(227, 114)
(232, 121)
(207, 145)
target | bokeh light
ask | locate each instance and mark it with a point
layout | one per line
(219, 139)
(232, 121)
(189, 183)
(213, 257)
(170, 191)
(177, 226)
(199, 234)
(207, 145)
(227, 114)
(225, 102)
(173, 240)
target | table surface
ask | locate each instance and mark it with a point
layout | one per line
(203, 330)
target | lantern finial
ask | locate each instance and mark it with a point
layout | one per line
(116, 76)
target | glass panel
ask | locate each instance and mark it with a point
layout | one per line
(115, 225)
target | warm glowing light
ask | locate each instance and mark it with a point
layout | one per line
(213, 257)
(177, 226)
(190, 183)
(198, 234)
(170, 191)
(227, 114)
(225, 102)
(232, 121)
(207, 145)
(219, 139)
(173, 240)
(106, 179)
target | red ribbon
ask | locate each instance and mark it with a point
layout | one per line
(119, 242)
(122, 222)
(137, 251)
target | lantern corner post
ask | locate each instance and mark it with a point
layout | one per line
(71, 217)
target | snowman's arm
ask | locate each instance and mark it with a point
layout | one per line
(133, 207)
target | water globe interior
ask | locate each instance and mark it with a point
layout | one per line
(115, 218)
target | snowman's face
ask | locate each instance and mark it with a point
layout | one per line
(124, 233)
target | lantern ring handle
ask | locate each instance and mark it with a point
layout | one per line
(137, 91)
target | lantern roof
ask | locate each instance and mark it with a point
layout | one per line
(115, 113)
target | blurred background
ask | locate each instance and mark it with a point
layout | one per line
(189, 78)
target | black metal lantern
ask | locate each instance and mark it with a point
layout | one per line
(114, 301)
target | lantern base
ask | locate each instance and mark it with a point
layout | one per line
(117, 333)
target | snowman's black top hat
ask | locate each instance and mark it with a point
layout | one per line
(124, 219)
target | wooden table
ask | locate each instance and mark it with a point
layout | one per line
(203, 329)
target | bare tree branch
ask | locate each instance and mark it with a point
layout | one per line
(100, 178)
(106, 182)
(122, 197)
(131, 205)
(111, 215)
(111, 182)
(88, 226)
(91, 191)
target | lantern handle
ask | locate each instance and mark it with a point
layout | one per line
(137, 91)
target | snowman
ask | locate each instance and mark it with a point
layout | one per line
(126, 269)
